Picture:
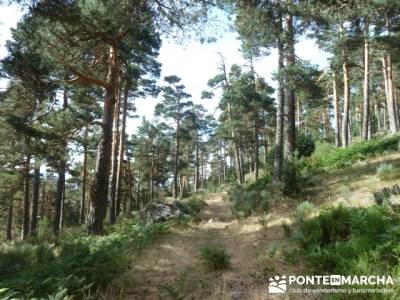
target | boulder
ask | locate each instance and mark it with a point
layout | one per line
(161, 211)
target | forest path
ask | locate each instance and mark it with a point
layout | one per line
(172, 269)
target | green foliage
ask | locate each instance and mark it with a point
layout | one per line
(215, 258)
(331, 158)
(195, 203)
(303, 211)
(385, 171)
(305, 144)
(251, 198)
(351, 241)
(78, 264)
(177, 289)
(45, 231)
(296, 174)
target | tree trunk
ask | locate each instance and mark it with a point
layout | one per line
(138, 192)
(265, 150)
(325, 117)
(43, 200)
(26, 204)
(238, 165)
(396, 104)
(176, 160)
(278, 157)
(336, 107)
(84, 179)
(35, 196)
(224, 162)
(114, 161)
(256, 149)
(290, 103)
(60, 193)
(99, 186)
(392, 90)
(378, 117)
(384, 117)
(387, 71)
(202, 170)
(121, 151)
(59, 197)
(346, 110)
(9, 218)
(279, 113)
(151, 181)
(129, 186)
(366, 110)
(196, 171)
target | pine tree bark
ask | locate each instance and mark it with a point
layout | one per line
(129, 186)
(114, 161)
(99, 186)
(9, 219)
(290, 101)
(177, 149)
(59, 197)
(121, 151)
(26, 204)
(278, 155)
(387, 70)
(202, 170)
(256, 149)
(196, 171)
(366, 109)
(346, 109)
(60, 193)
(35, 196)
(84, 180)
(151, 180)
(392, 91)
(266, 142)
(336, 108)
(43, 201)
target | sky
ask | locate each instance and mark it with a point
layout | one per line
(195, 63)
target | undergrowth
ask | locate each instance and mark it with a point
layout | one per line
(352, 241)
(327, 156)
(76, 265)
(215, 258)
(250, 198)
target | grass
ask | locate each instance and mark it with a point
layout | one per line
(303, 211)
(385, 171)
(76, 265)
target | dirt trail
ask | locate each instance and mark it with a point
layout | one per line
(171, 268)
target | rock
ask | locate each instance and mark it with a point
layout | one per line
(161, 211)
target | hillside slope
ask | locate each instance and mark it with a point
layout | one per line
(258, 245)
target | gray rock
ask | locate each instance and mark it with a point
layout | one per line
(159, 211)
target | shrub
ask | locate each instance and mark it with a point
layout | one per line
(195, 203)
(305, 144)
(296, 174)
(385, 171)
(303, 211)
(250, 198)
(75, 265)
(344, 240)
(357, 151)
(215, 259)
